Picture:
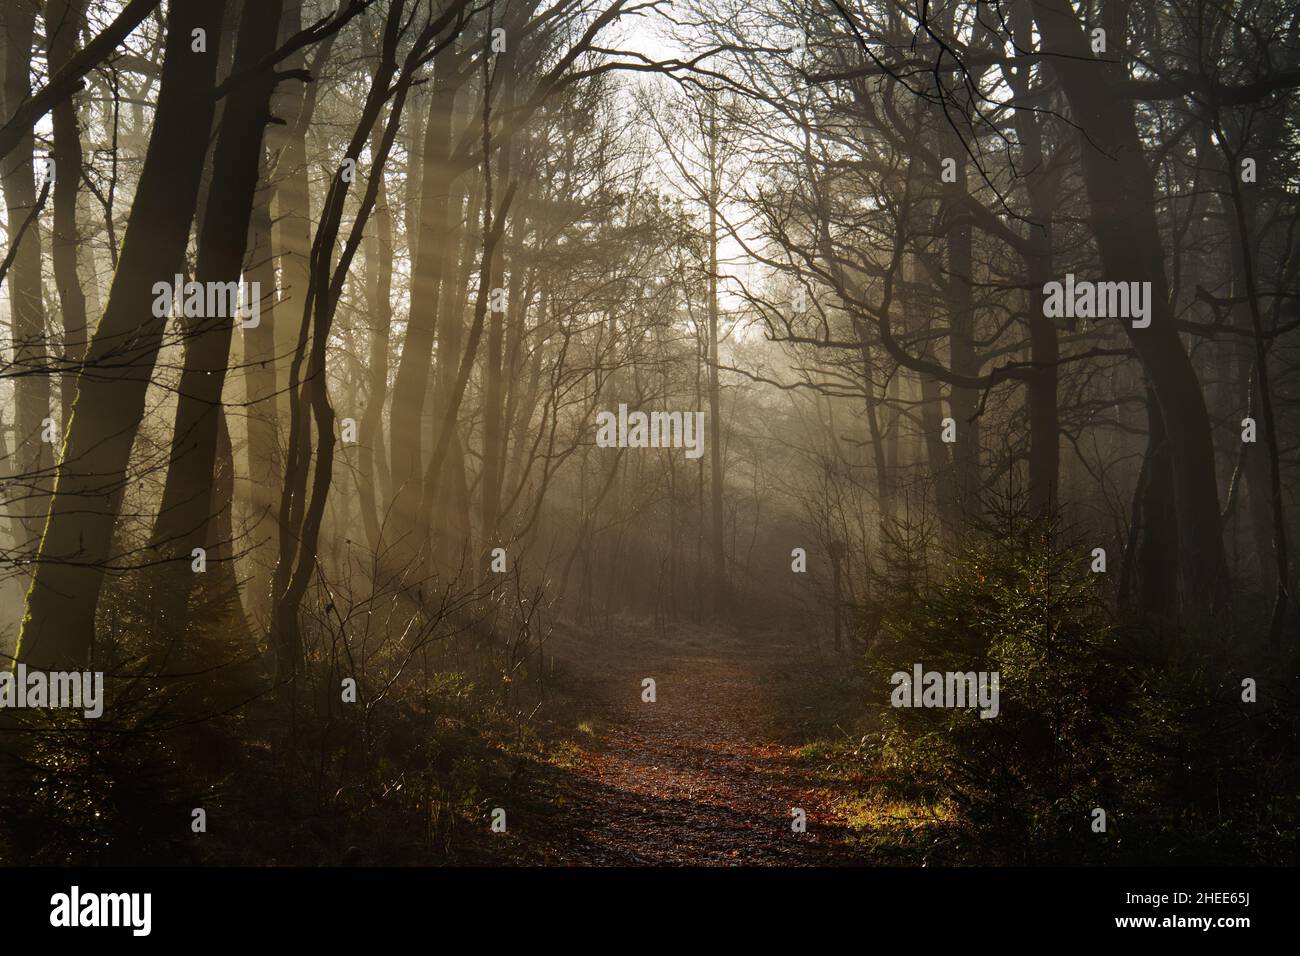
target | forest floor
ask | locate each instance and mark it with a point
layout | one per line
(707, 774)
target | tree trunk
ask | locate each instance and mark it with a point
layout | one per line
(1044, 350)
(1269, 477)
(450, 520)
(302, 508)
(32, 456)
(717, 528)
(186, 512)
(429, 260)
(63, 21)
(76, 549)
(495, 435)
(1121, 197)
(294, 105)
(963, 360)
(379, 284)
(264, 460)
(494, 371)
(1156, 527)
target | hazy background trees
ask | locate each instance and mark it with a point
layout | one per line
(476, 225)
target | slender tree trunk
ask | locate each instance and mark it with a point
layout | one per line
(494, 372)
(518, 388)
(717, 528)
(524, 407)
(32, 456)
(379, 283)
(13, 528)
(429, 261)
(1156, 531)
(1265, 402)
(294, 104)
(493, 227)
(63, 21)
(894, 427)
(1044, 349)
(874, 436)
(963, 359)
(937, 457)
(264, 459)
(450, 519)
(939, 461)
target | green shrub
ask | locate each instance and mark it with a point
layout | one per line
(1093, 713)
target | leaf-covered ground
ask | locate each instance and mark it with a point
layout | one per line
(707, 774)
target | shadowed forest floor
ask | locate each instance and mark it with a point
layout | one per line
(707, 774)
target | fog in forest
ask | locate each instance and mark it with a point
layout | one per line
(629, 431)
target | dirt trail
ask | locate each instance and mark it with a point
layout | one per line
(701, 776)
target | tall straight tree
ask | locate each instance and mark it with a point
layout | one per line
(1041, 398)
(1122, 203)
(429, 261)
(493, 373)
(717, 527)
(32, 456)
(378, 249)
(294, 105)
(76, 550)
(63, 20)
(187, 507)
(264, 463)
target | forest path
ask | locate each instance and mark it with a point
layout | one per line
(706, 775)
